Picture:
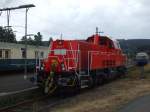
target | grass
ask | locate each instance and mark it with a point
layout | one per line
(110, 97)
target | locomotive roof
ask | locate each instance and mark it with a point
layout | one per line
(92, 37)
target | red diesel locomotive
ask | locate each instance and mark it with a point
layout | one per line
(81, 63)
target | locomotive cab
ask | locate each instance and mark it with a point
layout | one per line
(104, 42)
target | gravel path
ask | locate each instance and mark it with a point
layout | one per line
(141, 104)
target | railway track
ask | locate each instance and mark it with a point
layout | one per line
(19, 107)
(42, 104)
(39, 104)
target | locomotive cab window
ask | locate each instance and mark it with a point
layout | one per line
(103, 41)
(116, 44)
(111, 45)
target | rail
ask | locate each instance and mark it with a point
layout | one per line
(37, 103)
(41, 103)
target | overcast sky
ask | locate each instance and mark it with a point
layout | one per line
(77, 19)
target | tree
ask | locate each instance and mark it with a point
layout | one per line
(23, 39)
(7, 35)
(50, 40)
(38, 39)
(30, 41)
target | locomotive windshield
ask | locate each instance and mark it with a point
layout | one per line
(60, 52)
(116, 44)
(103, 41)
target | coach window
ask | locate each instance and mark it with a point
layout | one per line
(42, 54)
(23, 54)
(1, 54)
(36, 54)
(7, 54)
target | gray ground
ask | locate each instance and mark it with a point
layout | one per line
(14, 82)
(141, 104)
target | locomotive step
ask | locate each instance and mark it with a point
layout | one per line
(84, 83)
(84, 86)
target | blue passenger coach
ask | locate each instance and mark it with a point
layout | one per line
(12, 56)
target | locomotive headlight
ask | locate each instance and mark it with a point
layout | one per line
(63, 66)
(42, 68)
(60, 42)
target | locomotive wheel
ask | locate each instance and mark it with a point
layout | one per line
(122, 71)
(99, 80)
(76, 88)
(91, 83)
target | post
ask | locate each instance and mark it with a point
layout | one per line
(25, 66)
(8, 17)
(37, 57)
(97, 30)
(142, 72)
(0, 13)
(61, 36)
(35, 106)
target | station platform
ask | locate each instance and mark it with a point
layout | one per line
(15, 82)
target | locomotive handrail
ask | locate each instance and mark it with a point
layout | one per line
(69, 58)
(74, 57)
(67, 50)
(50, 46)
(89, 64)
(90, 61)
(52, 56)
(77, 53)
